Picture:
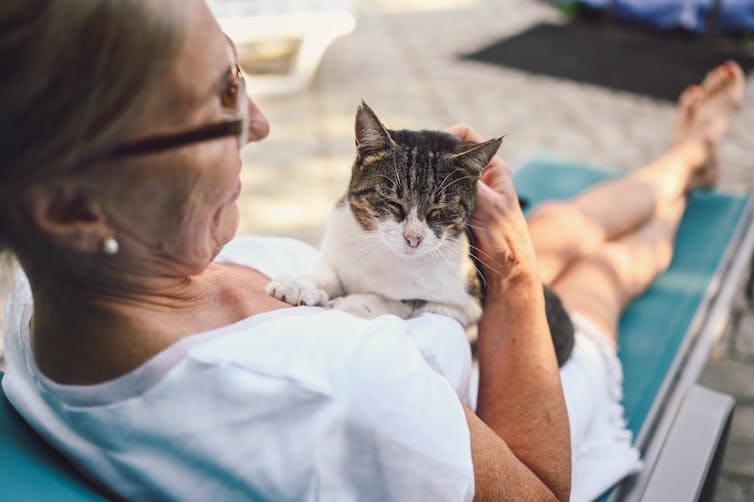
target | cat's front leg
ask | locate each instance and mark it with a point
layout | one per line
(296, 290)
(467, 314)
(315, 288)
(369, 305)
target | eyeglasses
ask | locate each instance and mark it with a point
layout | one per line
(234, 98)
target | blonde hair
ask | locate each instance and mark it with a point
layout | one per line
(77, 75)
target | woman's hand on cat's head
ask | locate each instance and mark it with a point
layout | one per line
(500, 230)
(497, 174)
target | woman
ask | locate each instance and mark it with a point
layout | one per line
(143, 344)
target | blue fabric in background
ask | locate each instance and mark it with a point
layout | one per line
(736, 16)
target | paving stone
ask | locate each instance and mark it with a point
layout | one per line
(743, 343)
(730, 376)
(733, 490)
(742, 428)
(739, 460)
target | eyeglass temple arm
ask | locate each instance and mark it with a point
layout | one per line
(168, 141)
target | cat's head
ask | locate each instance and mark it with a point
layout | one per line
(415, 188)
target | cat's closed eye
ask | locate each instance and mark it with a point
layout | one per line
(396, 209)
(434, 214)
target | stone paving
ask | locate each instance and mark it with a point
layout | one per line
(403, 59)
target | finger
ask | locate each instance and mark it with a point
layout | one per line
(498, 175)
(465, 132)
(484, 197)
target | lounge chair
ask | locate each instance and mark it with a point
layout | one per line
(665, 339)
(666, 336)
(281, 42)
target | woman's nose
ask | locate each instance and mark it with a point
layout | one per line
(259, 128)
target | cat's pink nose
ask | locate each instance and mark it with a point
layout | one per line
(413, 240)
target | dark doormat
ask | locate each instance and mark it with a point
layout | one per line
(659, 65)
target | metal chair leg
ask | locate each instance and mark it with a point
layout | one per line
(750, 284)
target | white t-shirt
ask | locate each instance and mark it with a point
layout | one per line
(302, 404)
(294, 404)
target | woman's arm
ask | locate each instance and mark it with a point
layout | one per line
(520, 437)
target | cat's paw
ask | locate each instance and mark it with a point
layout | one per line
(297, 291)
(369, 305)
(364, 306)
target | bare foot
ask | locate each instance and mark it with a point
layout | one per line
(704, 114)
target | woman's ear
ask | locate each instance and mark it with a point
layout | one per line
(64, 214)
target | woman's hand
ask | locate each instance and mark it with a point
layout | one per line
(502, 239)
(521, 446)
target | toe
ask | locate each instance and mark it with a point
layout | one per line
(736, 78)
(716, 78)
(687, 105)
(727, 78)
(684, 102)
(735, 70)
(690, 99)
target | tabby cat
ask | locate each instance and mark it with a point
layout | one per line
(397, 241)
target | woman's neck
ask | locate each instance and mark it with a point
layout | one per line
(84, 333)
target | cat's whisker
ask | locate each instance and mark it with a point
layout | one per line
(455, 241)
(493, 269)
(369, 254)
(365, 236)
(476, 227)
(479, 273)
(442, 183)
(438, 253)
(461, 178)
(443, 186)
(396, 172)
(391, 180)
(363, 255)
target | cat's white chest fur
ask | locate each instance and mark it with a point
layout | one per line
(360, 273)
(365, 264)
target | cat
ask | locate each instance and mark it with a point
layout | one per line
(397, 242)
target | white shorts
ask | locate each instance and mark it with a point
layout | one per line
(592, 378)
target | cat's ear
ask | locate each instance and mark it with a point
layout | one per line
(476, 156)
(371, 135)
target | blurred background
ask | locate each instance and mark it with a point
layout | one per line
(593, 82)
(409, 60)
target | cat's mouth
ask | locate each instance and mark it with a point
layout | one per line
(415, 252)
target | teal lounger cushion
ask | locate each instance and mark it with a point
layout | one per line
(653, 327)
(32, 471)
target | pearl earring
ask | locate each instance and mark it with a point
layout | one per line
(110, 247)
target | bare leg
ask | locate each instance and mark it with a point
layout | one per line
(564, 231)
(632, 241)
(600, 285)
